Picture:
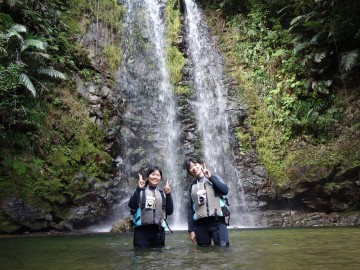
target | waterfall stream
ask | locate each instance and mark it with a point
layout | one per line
(210, 109)
(150, 132)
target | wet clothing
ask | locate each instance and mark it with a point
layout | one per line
(149, 236)
(148, 221)
(207, 219)
(211, 228)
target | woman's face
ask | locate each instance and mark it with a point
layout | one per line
(195, 169)
(154, 178)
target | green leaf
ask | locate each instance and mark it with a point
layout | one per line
(52, 73)
(38, 44)
(19, 28)
(349, 60)
(27, 83)
(319, 56)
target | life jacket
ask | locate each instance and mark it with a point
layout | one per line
(214, 205)
(145, 215)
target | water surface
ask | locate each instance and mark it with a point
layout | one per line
(306, 248)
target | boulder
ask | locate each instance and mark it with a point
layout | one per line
(122, 225)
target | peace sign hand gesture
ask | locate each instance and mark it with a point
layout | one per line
(205, 171)
(141, 182)
(167, 188)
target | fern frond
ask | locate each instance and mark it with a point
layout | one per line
(10, 34)
(27, 83)
(294, 22)
(38, 44)
(314, 39)
(300, 46)
(37, 54)
(19, 28)
(51, 73)
(3, 51)
(349, 60)
(319, 56)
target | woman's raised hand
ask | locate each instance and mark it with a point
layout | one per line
(205, 171)
(141, 182)
(167, 188)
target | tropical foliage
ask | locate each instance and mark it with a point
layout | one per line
(295, 61)
(46, 136)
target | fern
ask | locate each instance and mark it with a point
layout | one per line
(27, 83)
(349, 60)
(38, 44)
(319, 56)
(19, 28)
(51, 73)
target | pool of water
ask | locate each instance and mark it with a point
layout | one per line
(281, 249)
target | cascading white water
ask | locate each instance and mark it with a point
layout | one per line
(210, 110)
(150, 123)
(171, 131)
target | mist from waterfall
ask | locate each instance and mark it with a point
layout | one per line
(210, 110)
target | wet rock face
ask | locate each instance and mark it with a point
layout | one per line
(16, 216)
(338, 192)
(21, 217)
(279, 218)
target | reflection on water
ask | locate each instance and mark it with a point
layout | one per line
(282, 249)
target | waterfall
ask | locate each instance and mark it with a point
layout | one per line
(210, 110)
(150, 131)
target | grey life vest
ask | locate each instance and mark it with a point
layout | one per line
(212, 205)
(152, 206)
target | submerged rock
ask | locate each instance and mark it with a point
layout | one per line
(122, 225)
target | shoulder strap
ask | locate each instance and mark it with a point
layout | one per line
(163, 199)
(142, 199)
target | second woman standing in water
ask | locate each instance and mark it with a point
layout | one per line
(206, 206)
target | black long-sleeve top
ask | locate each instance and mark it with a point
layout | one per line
(220, 188)
(134, 201)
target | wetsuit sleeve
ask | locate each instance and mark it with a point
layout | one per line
(219, 185)
(169, 205)
(134, 200)
(190, 212)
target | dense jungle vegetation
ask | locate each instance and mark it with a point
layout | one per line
(46, 134)
(296, 63)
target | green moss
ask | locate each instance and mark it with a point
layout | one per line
(314, 162)
(68, 143)
(183, 90)
(175, 59)
(110, 12)
(176, 63)
(271, 140)
(6, 226)
(113, 56)
(244, 139)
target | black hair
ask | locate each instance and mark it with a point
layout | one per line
(188, 161)
(152, 169)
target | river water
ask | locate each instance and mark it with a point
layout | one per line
(281, 249)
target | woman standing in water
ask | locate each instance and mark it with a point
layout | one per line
(150, 205)
(206, 206)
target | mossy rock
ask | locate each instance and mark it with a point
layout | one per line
(122, 225)
(7, 227)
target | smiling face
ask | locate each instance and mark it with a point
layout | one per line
(154, 178)
(195, 169)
